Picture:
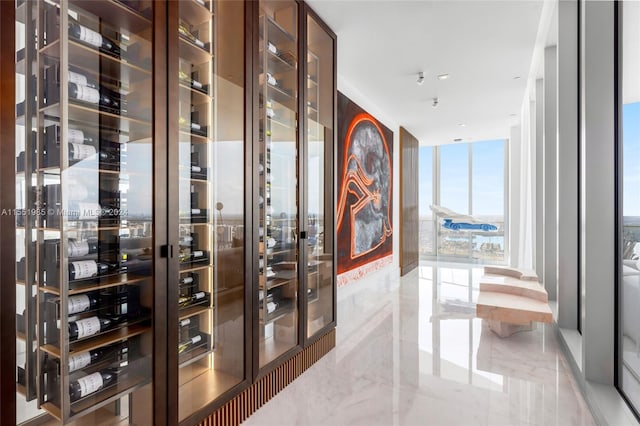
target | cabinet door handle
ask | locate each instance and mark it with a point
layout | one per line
(303, 235)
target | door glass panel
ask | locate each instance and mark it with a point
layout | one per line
(211, 187)
(320, 210)
(278, 187)
(84, 178)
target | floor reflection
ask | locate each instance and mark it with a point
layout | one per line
(411, 352)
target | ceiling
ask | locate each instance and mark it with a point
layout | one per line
(482, 45)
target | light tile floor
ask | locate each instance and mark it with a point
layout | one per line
(411, 352)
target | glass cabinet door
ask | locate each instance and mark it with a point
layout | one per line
(84, 230)
(320, 213)
(278, 180)
(210, 284)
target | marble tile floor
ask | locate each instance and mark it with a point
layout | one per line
(411, 352)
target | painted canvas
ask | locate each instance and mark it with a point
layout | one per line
(365, 201)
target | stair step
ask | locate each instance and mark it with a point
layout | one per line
(511, 308)
(509, 285)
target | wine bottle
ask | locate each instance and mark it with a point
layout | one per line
(90, 268)
(92, 383)
(111, 352)
(187, 280)
(89, 246)
(184, 301)
(193, 127)
(194, 256)
(94, 39)
(271, 113)
(189, 343)
(192, 82)
(112, 101)
(79, 192)
(78, 136)
(198, 172)
(271, 79)
(186, 241)
(82, 79)
(89, 326)
(82, 302)
(184, 32)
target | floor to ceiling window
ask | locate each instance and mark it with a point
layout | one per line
(629, 285)
(454, 195)
(469, 180)
(488, 198)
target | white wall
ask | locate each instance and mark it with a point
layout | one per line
(376, 110)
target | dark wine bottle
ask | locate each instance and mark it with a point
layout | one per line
(92, 383)
(89, 326)
(82, 302)
(101, 96)
(78, 136)
(111, 352)
(189, 343)
(195, 298)
(82, 79)
(186, 241)
(92, 38)
(187, 280)
(186, 33)
(79, 192)
(77, 248)
(90, 268)
(195, 84)
(193, 256)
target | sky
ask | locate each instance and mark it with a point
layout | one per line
(487, 173)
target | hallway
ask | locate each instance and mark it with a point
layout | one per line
(411, 353)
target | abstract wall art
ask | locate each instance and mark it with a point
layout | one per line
(365, 185)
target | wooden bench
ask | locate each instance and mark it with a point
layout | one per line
(511, 300)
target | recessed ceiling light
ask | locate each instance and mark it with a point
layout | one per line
(462, 125)
(457, 140)
(517, 77)
(443, 76)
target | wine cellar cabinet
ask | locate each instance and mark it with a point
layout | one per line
(174, 203)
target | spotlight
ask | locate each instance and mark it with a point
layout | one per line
(420, 78)
(435, 103)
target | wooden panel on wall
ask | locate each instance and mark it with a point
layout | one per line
(409, 223)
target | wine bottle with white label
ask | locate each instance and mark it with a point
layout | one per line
(186, 33)
(193, 256)
(93, 38)
(105, 98)
(83, 269)
(87, 327)
(194, 299)
(193, 83)
(92, 383)
(79, 248)
(189, 343)
(115, 352)
(82, 303)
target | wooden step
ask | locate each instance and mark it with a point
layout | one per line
(521, 274)
(511, 308)
(509, 285)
